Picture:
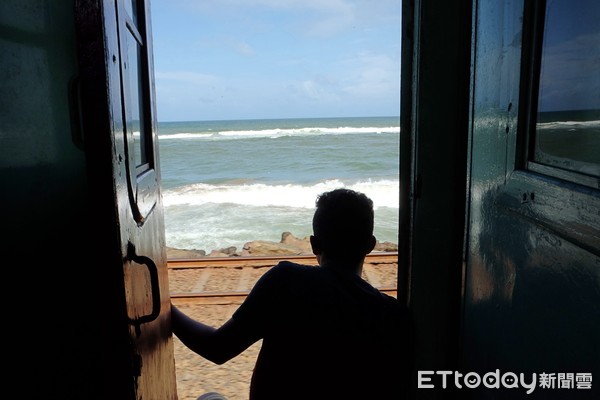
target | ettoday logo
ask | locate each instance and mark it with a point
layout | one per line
(509, 380)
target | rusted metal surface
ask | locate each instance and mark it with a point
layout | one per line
(216, 262)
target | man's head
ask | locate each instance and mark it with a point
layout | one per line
(343, 225)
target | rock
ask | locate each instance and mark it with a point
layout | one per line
(173, 252)
(302, 244)
(217, 253)
(288, 245)
(267, 248)
(386, 247)
(226, 252)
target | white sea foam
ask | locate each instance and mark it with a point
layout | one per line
(568, 124)
(187, 135)
(274, 133)
(384, 193)
(254, 189)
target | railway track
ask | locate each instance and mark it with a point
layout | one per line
(228, 280)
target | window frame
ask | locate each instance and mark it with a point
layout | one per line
(531, 62)
(142, 179)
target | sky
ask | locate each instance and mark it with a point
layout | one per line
(571, 56)
(260, 59)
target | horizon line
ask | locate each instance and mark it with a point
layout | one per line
(275, 119)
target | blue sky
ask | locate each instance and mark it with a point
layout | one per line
(571, 57)
(246, 59)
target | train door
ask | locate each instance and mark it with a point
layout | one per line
(119, 132)
(503, 272)
(532, 284)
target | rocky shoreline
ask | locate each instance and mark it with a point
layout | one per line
(288, 245)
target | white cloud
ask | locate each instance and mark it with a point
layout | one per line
(254, 59)
(316, 90)
(372, 76)
(194, 78)
(327, 16)
(244, 49)
(334, 15)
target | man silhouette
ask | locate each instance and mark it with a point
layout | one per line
(326, 332)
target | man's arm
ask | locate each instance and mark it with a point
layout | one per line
(246, 326)
(218, 345)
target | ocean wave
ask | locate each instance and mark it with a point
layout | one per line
(187, 135)
(275, 133)
(568, 124)
(384, 193)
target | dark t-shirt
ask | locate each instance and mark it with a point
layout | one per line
(326, 334)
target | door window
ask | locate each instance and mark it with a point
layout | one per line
(566, 133)
(139, 129)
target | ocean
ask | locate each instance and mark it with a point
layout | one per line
(569, 140)
(226, 183)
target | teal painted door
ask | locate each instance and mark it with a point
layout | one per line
(532, 289)
(121, 142)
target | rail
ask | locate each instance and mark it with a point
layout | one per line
(243, 264)
(235, 261)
